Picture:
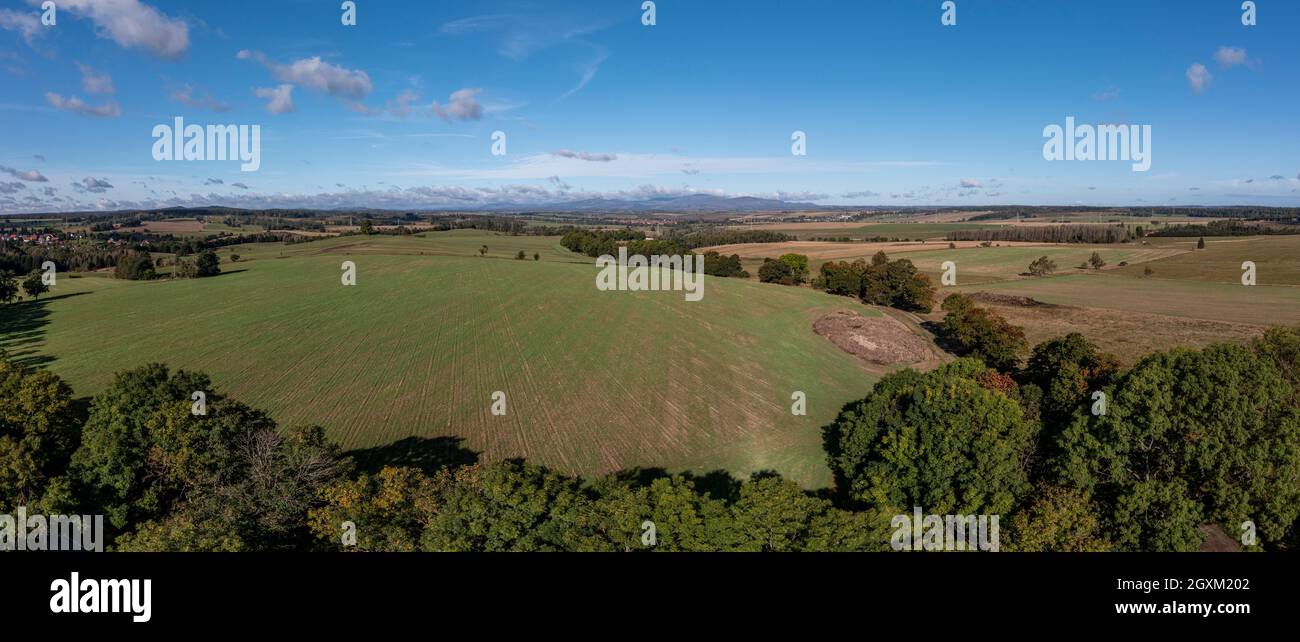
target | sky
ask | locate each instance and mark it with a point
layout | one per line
(399, 110)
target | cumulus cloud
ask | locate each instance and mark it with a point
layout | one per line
(279, 100)
(132, 25)
(586, 156)
(95, 83)
(186, 96)
(1229, 56)
(463, 105)
(92, 185)
(556, 181)
(30, 175)
(239, 185)
(79, 106)
(11, 188)
(862, 194)
(969, 183)
(314, 73)
(1198, 77)
(26, 24)
(214, 181)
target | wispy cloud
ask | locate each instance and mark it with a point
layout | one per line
(186, 96)
(93, 82)
(78, 106)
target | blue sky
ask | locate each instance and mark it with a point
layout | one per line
(398, 110)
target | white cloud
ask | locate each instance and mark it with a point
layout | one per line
(1198, 77)
(27, 25)
(969, 183)
(463, 106)
(279, 99)
(586, 156)
(314, 73)
(185, 96)
(95, 83)
(1229, 56)
(401, 106)
(79, 106)
(30, 175)
(132, 25)
(93, 185)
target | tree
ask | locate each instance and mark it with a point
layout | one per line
(1042, 266)
(1067, 370)
(234, 258)
(207, 264)
(34, 285)
(263, 504)
(1147, 271)
(38, 431)
(1058, 520)
(521, 256)
(135, 266)
(142, 449)
(774, 271)
(798, 264)
(537, 256)
(937, 440)
(1187, 437)
(1200, 243)
(482, 250)
(982, 333)
(1096, 261)
(8, 287)
(367, 227)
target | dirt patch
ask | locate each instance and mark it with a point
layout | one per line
(1008, 299)
(879, 340)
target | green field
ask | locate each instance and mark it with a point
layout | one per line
(595, 381)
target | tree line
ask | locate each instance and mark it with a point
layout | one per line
(1227, 228)
(1048, 234)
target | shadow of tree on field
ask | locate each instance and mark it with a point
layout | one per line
(429, 454)
(22, 327)
(717, 484)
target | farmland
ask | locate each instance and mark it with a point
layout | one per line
(595, 381)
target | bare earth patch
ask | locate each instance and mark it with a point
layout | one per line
(880, 340)
(1010, 299)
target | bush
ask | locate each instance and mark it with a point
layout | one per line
(136, 266)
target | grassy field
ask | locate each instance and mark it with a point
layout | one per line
(1191, 298)
(595, 381)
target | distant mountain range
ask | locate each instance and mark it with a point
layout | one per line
(693, 203)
